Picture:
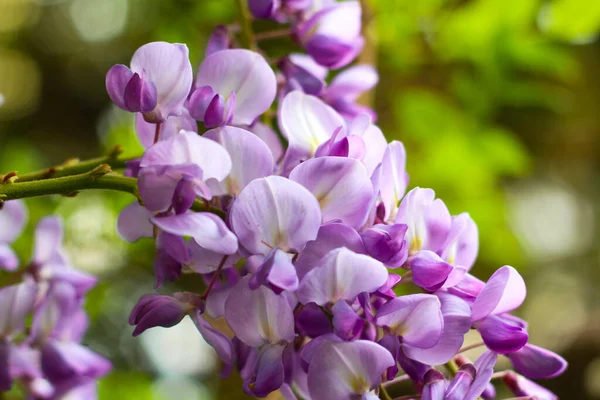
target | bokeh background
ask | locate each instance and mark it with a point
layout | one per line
(497, 102)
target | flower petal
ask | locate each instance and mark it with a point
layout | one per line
(275, 212)
(207, 229)
(251, 158)
(503, 292)
(341, 370)
(417, 318)
(341, 185)
(13, 216)
(306, 122)
(259, 316)
(342, 274)
(134, 223)
(244, 72)
(537, 363)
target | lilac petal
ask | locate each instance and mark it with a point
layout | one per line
(330, 237)
(462, 243)
(312, 321)
(352, 82)
(48, 239)
(188, 148)
(341, 185)
(54, 317)
(417, 318)
(221, 343)
(218, 40)
(386, 243)
(251, 158)
(168, 67)
(154, 310)
(16, 302)
(308, 64)
(205, 261)
(13, 216)
(306, 122)
(342, 370)
(278, 269)
(394, 178)
(63, 360)
(134, 223)
(503, 292)
(207, 229)
(244, 72)
(429, 271)
(183, 196)
(259, 316)
(8, 259)
(461, 383)
(342, 274)
(140, 95)
(374, 140)
(468, 288)
(392, 344)
(268, 135)
(537, 363)
(522, 386)
(346, 323)
(157, 188)
(199, 101)
(263, 8)
(169, 128)
(275, 212)
(435, 386)
(457, 322)
(299, 78)
(215, 112)
(332, 52)
(5, 375)
(81, 281)
(484, 366)
(117, 79)
(269, 373)
(501, 336)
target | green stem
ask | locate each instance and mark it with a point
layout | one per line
(100, 177)
(247, 37)
(383, 394)
(451, 367)
(74, 166)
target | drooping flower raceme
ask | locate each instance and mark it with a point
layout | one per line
(302, 247)
(43, 321)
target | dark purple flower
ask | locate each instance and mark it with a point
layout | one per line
(154, 310)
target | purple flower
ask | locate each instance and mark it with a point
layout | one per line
(233, 86)
(386, 243)
(16, 302)
(275, 215)
(332, 35)
(341, 274)
(157, 84)
(347, 370)
(219, 40)
(13, 216)
(185, 156)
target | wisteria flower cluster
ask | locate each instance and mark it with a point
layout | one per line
(325, 279)
(42, 318)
